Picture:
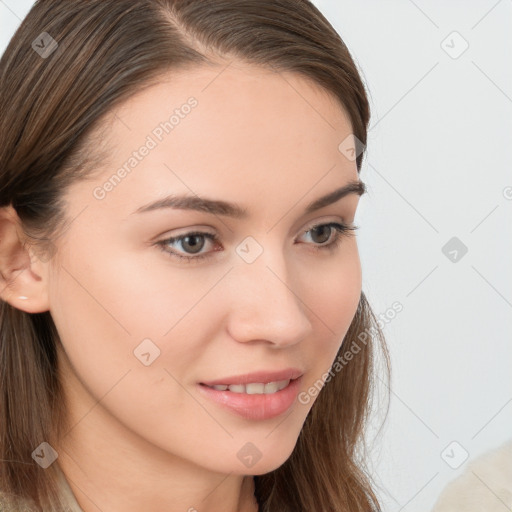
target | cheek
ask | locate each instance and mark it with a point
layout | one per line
(111, 311)
(333, 286)
(132, 294)
(102, 314)
(333, 293)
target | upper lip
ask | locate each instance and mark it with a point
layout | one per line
(260, 377)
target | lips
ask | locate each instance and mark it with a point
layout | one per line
(260, 377)
(254, 406)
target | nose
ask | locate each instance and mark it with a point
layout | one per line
(266, 305)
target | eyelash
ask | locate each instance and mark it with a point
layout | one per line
(342, 230)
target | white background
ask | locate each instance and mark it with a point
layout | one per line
(438, 166)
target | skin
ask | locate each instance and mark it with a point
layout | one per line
(142, 437)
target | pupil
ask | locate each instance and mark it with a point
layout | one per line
(323, 228)
(197, 247)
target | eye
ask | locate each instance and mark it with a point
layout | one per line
(340, 230)
(189, 241)
(192, 243)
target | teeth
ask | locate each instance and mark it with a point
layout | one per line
(254, 388)
(237, 388)
(272, 387)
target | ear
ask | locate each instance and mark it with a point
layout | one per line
(23, 274)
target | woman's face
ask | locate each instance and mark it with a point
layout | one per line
(143, 329)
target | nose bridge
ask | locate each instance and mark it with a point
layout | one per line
(265, 305)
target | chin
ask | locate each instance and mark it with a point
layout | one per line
(270, 454)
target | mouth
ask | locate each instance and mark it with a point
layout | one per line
(252, 388)
(254, 400)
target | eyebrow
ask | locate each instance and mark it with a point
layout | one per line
(218, 207)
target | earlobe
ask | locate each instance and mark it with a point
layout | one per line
(23, 276)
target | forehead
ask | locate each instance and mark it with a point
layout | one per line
(235, 131)
(236, 84)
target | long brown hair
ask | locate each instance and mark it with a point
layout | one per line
(51, 106)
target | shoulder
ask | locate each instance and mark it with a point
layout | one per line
(486, 484)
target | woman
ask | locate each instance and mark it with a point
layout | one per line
(139, 370)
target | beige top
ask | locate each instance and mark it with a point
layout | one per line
(485, 484)
(71, 505)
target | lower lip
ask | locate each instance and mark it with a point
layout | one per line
(257, 406)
